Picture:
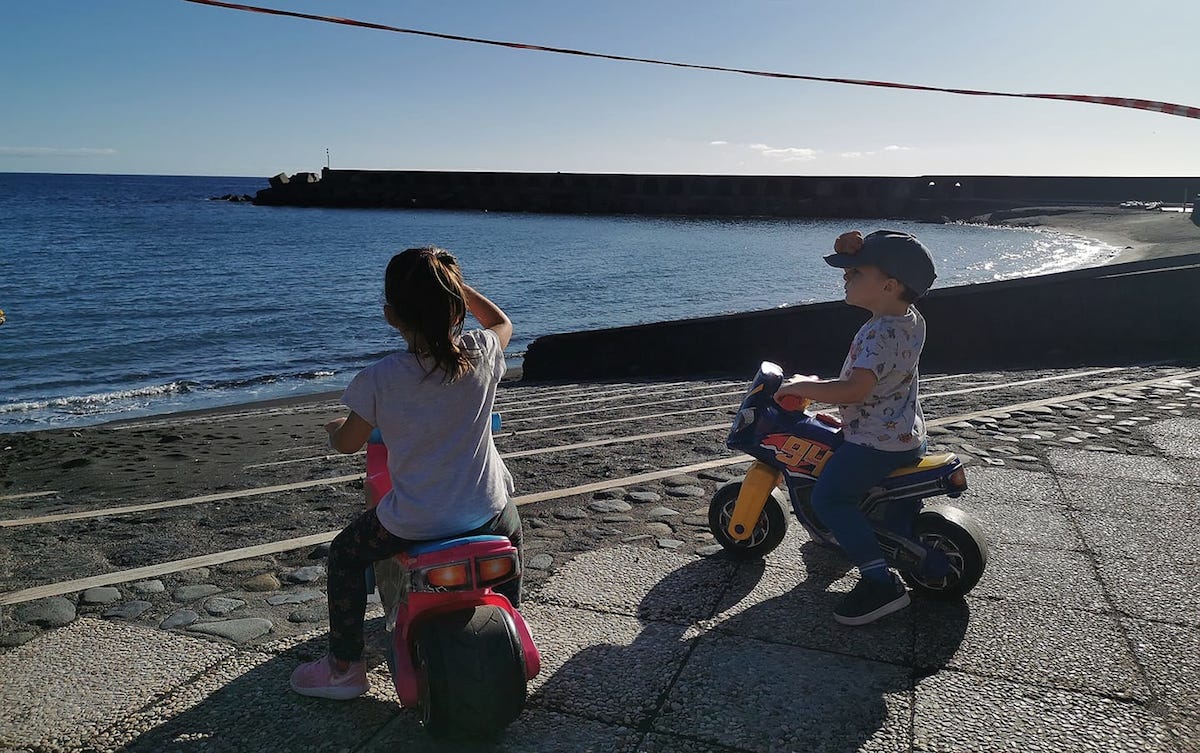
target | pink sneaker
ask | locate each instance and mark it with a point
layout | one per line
(321, 679)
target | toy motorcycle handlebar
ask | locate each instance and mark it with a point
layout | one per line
(769, 380)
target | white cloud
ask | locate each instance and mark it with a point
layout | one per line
(855, 155)
(895, 148)
(717, 143)
(786, 153)
(52, 151)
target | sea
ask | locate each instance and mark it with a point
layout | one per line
(133, 295)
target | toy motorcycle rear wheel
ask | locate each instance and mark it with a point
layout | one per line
(768, 531)
(471, 672)
(960, 538)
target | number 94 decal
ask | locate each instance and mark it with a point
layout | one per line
(800, 457)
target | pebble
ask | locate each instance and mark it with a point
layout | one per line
(638, 537)
(262, 582)
(686, 491)
(130, 610)
(309, 614)
(309, 574)
(618, 518)
(614, 493)
(219, 606)
(710, 550)
(972, 449)
(18, 638)
(669, 543)
(663, 512)
(1100, 448)
(182, 618)
(662, 529)
(551, 533)
(238, 631)
(100, 595)
(695, 520)
(198, 591)
(643, 497)
(610, 505)
(147, 587)
(570, 513)
(539, 562)
(1026, 458)
(53, 612)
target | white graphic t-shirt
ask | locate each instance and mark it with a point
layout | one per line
(890, 417)
(447, 476)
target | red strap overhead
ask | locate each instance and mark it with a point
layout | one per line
(1166, 108)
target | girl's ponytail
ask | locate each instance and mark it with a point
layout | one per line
(424, 287)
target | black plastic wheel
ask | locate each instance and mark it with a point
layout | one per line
(768, 532)
(961, 539)
(471, 672)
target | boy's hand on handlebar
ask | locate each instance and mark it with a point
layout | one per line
(791, 394)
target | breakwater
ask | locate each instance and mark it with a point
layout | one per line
(927, 197)
(1117, 314)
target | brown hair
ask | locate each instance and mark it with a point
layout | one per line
(424, 287)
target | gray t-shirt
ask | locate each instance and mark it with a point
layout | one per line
(447, 477)
(890, 417)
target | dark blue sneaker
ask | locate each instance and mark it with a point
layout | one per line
(870, 600)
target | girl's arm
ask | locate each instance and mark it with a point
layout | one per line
(488, 314)
(348, 435)
(835, 391)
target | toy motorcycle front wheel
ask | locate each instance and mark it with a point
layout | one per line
(956, 536)
(471, 672)
(768, 531)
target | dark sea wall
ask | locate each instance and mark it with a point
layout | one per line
(1117, 314)
(932, 197)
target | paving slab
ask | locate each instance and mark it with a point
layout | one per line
(1152, 589)
(63, 688)
(1055, 577)
(604, 666)
(754, 695)
(771, 604)
(955, 712)
(247, 693)
(1110, 464)
(1171, 658)
(1053, 647)
(535, 731)
(638, 581)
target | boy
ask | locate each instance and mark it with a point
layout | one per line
(877, 394)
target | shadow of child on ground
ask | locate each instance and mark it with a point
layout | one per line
(245, 704)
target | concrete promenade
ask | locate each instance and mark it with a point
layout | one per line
(1084, 634)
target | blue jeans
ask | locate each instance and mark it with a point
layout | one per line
(847, 476)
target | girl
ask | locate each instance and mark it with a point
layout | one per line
(433, 405)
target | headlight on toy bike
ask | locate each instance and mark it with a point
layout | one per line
(493, 570)
(957, 481)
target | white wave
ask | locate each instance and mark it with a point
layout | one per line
(100, 399)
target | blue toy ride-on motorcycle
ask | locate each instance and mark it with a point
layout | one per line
(940, 551)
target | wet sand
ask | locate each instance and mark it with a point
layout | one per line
(1141, 234)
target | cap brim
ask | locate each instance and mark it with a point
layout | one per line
(841, 261)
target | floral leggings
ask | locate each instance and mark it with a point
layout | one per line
(366, 541)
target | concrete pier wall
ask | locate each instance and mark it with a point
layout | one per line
(1118, 314)
(931, 197)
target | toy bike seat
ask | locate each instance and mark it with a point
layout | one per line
(927, 463)
(439, 545)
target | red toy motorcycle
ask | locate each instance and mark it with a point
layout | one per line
(460, 652)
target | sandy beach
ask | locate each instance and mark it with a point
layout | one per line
(1142, 234)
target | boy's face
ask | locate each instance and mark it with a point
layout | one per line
(869, 288)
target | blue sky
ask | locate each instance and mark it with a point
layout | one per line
(169, 87)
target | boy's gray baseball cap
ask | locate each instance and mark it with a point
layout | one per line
(898, 254)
